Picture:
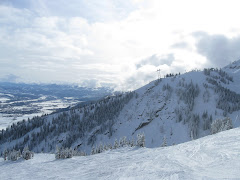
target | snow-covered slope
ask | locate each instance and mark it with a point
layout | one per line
(212, 157)
(233, 70)
(178, 107)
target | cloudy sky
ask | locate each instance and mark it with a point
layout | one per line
(114, 42)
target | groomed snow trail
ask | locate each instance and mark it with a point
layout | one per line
(211, 157)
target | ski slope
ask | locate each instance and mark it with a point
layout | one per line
(212, 157)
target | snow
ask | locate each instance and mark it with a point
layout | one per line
(233, 70)
(3, 99)
(151, 98)
(45, 107)
(6, 120)
(212, 157)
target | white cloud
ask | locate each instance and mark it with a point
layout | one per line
(156, 60)
(72, 41)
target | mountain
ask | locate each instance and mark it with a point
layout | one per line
(211, 157)
(177, 109)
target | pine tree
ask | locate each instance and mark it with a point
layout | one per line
(13, 155)
(57, 153)
(105, 148)
(221, 125)
(132, 142)
(69, 152)
(109, 146)
(191, 135)
(115, 146)
(141, 140)
(26, 154)
(100, 148)
(124, 141)
(93, 150)
(5, 154)
(120, 142)
(164, 143)
(62, 153)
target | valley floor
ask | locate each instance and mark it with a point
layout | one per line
(211, 157)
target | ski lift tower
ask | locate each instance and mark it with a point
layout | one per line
(159, 74)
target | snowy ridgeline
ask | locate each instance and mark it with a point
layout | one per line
(169, 111)
(212, 157)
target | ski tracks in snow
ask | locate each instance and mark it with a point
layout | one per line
(212, 157)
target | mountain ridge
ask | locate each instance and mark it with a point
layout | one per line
(179, 108)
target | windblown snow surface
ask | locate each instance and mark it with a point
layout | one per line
(212, 157)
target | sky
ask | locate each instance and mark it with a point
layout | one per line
(115, 43)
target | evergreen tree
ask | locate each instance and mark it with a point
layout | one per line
(26, 154)
(115, 146)
(132, 142)
(93, 150)
(164, 143)
(14, 155)
(109, 146)
(141, 140)
(221, 125)
(57, 153)
(5, 154)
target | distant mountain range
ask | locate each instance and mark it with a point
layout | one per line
(19, 100)
(60, 91)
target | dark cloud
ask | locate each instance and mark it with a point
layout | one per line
(218, 49)
(156, 60)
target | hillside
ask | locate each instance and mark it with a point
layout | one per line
(177, 107)
(212, 157)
